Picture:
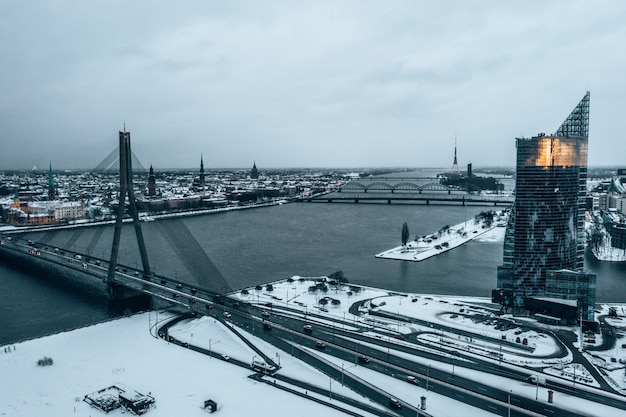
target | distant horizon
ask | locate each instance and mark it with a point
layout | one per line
(276, 168)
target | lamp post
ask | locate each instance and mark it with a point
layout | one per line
(398, 320)
(509, 415)
(210, 352)
(278, 356)
(341, 373)
(537, 391)
(330, 388)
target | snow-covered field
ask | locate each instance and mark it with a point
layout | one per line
(125, 353)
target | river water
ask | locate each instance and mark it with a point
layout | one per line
(241, 248)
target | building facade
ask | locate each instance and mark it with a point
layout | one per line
(545, 232)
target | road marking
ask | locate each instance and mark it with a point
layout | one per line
(549, 410)
(492, 407)
(482, 389)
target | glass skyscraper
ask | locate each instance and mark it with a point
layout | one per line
(545, 232)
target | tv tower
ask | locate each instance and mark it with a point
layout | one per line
(455, 165)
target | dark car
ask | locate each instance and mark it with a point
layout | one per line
(320, 345)
(394, 403)
(265, 314)
(364, 359)
(267, 326)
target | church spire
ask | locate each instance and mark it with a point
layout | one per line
(51, 188)
(202, 179)
(254, 173)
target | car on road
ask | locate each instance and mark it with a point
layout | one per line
(265, 314)
(225, 358)
(364, 359)
(320, 344)
(412, 380)
(267, 326)
(307, 328)
(394, 403)
(227, 315)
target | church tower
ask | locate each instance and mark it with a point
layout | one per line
(151, 183)
(51, 188)
(202, 178)
(254, 173)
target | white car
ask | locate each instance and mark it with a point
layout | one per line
(226, 315)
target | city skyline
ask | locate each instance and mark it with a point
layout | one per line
(356, 84)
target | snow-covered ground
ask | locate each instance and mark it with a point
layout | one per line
(439, 320)
(446, 239)
(126, 353)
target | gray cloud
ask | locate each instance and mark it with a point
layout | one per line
(356, 83)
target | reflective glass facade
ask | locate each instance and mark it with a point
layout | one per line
(546, 227)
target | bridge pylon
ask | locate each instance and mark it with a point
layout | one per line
(126, 190)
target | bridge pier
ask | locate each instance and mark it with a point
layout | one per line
(389, 201)
(119, 293)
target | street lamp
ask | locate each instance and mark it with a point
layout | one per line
(341, 373)
(537, 392)
(278, 356)
(509, 415)
(330, 388)
(453, 361)
(210, 353)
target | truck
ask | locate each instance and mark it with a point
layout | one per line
(537, 379)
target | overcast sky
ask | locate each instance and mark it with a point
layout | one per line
(305, 84)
